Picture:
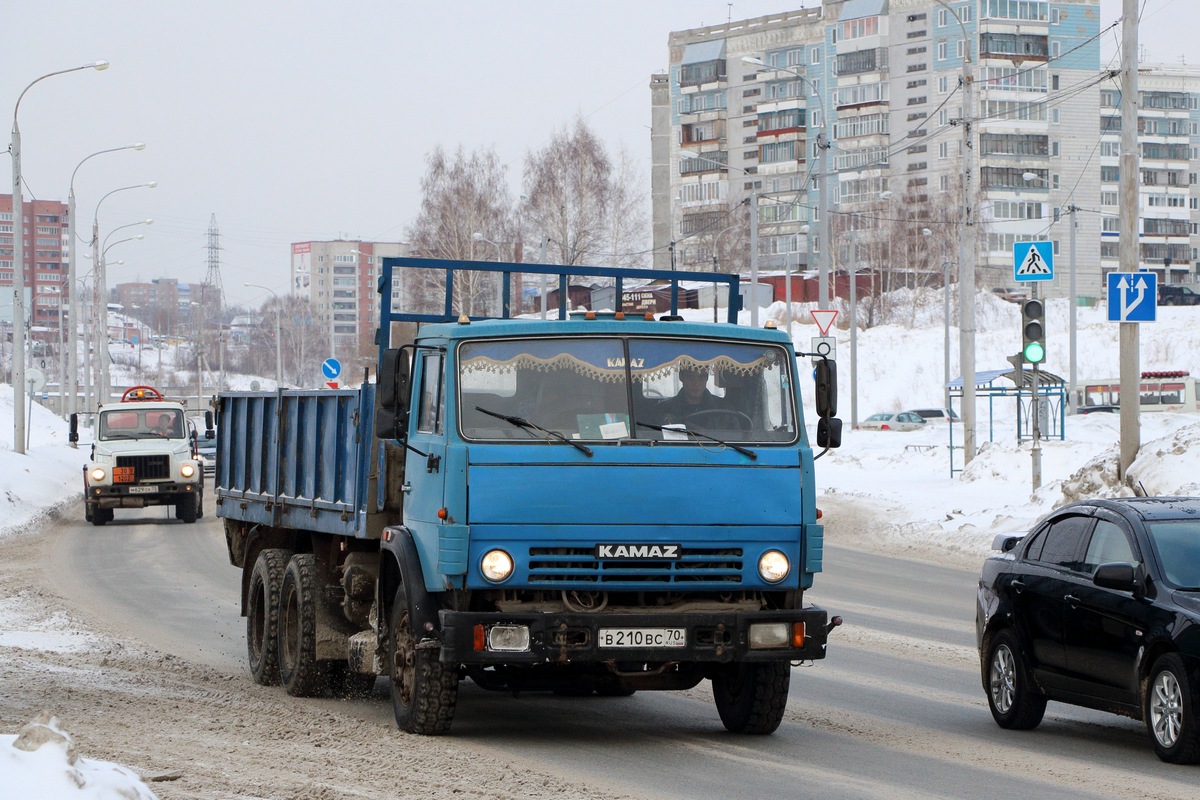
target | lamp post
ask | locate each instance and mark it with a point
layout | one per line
(753, 233)
(18, 305)
(102, 384)
(967, 248)
(824, 142)
(928, 234)
(278, 332)
(101, 283)
(479, 237)
(73, 351)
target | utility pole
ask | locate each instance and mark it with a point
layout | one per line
(1073, 396)
(1129, 256)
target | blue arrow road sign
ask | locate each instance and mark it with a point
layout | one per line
(331, 368)
(1132, 296)
(1033, 261)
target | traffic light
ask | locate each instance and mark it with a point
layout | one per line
(1033, 331)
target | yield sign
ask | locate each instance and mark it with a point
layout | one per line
(824, 318)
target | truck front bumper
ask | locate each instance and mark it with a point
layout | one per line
(717, 637)
(135, 495)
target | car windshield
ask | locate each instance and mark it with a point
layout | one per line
(601, 389)
(140, 423)
(1177, 543)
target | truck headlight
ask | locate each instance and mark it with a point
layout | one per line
(773, 566)
(98, 474)
(496, 565)
(187, 470)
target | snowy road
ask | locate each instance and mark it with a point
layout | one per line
(895, 711)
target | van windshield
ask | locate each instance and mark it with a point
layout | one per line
(601, 389)
(140, 423)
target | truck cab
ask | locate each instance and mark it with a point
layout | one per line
(144, 454)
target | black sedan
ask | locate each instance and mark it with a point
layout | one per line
(1098, 606)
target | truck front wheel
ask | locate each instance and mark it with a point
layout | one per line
(751, 698)
(185, 508)
(262, 615)
(299, 669)
(101, 515)
(424, 690)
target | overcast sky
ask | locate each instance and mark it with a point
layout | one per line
(303, 120)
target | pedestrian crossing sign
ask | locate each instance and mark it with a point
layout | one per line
(1033, 261)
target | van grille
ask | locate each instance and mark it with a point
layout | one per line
(156, 467)
(576, 565)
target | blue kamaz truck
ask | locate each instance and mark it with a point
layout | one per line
(598, 503)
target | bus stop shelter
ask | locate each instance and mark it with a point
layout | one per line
(1002, 385)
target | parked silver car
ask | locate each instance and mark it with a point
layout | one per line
(893, 421)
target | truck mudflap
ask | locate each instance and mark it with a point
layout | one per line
(717, 637)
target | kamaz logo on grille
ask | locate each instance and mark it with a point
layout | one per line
(637, 551)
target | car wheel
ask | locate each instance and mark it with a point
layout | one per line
(1169, 709)
(1012, 698)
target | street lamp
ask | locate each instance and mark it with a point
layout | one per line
(753, 233)
(824, 143)
(102, 385)
(19, 263)
(278, 333)
(72, 352)
(928, 234)
(968, 248)
(479, 237)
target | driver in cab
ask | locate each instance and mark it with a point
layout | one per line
(693, 397)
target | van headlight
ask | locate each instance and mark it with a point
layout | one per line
(496, 565)
(773, 566)
(98, 474)
(187, 470)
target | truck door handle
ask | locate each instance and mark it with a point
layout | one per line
(406, 488)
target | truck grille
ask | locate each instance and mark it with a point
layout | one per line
(575, 565)
(156, 467)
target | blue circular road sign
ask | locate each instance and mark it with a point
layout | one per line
(331, 368)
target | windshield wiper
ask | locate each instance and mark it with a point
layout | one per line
(743, 450)
(524, 423)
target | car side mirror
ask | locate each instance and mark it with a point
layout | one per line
(1119, 576)
(829, 432)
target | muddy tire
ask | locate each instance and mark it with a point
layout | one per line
(100, 516)
(424, 690)
(299, 671)
(262, 615)
(1169, 708)
(1014, 701)
(185, 508)
(751, 698)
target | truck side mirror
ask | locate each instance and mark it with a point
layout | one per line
(825, 377)
(393, 378)
(208, 425)
(829, 432)
(73, 436)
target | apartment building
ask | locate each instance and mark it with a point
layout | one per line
(339, 279)
(47, 233)
(868, 94)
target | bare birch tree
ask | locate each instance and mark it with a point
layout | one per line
(587, 209)
(463, 194)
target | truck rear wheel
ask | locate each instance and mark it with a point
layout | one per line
(751, 698)
(300, 672)
(262, 615)
(424, 690)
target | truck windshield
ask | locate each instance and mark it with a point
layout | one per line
(601, 389)
(131, 423)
